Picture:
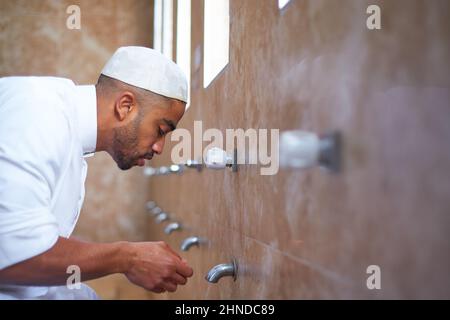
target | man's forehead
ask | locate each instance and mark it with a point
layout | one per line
(177, 110)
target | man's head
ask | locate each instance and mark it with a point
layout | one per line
(138, 121)
(140, 98)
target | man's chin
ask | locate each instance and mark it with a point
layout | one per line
(125, 166)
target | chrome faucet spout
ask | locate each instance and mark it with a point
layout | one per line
(222, 270)
(171, 227)
(161, 217)
(189, 242)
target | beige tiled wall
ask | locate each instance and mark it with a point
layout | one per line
(315, 66)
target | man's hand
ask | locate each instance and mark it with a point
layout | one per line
(151, 265)
(156, 267)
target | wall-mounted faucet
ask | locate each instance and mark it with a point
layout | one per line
(150, 171)
(217, 158)
(156, 210)
(175, 168)
(162, 217)
(150, 205)
(222, 270)
(193, 164)
(153, 208)
(163, 170)
(301, 150)
(171, 227)
(189, 242)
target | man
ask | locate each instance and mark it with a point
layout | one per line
(47, 127)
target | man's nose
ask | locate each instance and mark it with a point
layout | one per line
(158, 146)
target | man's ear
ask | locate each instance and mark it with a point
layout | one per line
(124, 104)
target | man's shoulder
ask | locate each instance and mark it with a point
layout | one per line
(32, 95)
(36, 80)
(36, 103)
(35, 85)
(38, 113)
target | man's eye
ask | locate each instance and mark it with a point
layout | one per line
(161, 132)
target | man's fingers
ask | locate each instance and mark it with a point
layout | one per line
(182, 266)
(169, 286)
(174, 252)
(184, 270)
(158, 290)
(179, 279)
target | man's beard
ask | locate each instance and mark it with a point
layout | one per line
(125, 145)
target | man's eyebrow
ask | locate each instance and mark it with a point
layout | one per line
(170, 124)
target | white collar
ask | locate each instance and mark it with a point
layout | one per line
(87, 117)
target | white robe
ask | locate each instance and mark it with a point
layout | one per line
(47, 126)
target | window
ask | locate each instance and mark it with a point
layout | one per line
(216, 39)
(282, 3)
(163, 27)
(184, 40)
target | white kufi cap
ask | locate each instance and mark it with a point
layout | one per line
(148, 69)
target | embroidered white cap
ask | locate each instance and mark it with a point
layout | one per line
(148, 69)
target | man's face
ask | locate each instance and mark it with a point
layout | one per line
(145, 134)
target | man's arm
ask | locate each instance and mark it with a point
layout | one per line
(151, 265)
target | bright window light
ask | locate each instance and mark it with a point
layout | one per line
(163, 27)
(157, 26)
(216, 38)
(282, 3)
(184, 40)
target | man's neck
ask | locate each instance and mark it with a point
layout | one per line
(102, 130)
